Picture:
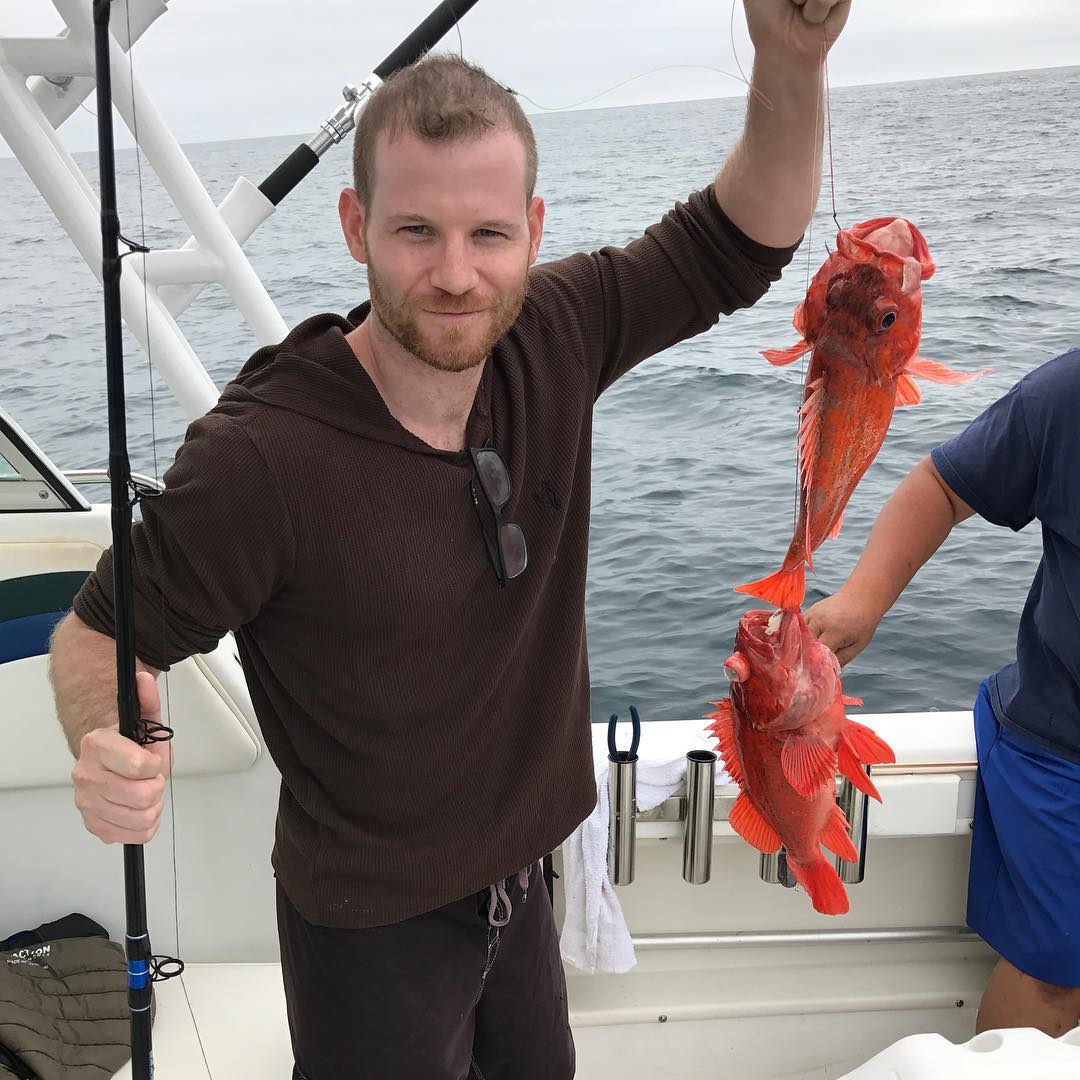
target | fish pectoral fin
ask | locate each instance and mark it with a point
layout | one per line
(939, 373)
(834, 532)
(851, 769)
(869, 747)
(785, 589)
(907, 391)
(836, 836)
(859, 746)
(808, 763)
(848, 700)
(723, 727)
(745, 818)
(780, 357)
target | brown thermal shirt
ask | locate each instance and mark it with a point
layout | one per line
(432, 728)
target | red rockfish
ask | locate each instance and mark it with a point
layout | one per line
(862, 317)
(782, 735)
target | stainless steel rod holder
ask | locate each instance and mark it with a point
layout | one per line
(697, 839)
(854, 803)
(774, 869)
(622, 834)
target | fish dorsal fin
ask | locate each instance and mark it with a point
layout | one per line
(746, 820)
(808, 763)
(907, 391)
(836, 836)
(834, 532)
(939, 373)
(723, 727)
(809, 428)
(780, 357)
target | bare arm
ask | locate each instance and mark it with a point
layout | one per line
(912, 525)
(769, 184)
(82, 668)
(119, 785)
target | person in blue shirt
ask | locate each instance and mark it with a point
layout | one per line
(1016, 463)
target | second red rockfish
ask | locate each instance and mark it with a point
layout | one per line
(783, 734)
(862, 317)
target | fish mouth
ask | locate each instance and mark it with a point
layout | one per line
(770, 635)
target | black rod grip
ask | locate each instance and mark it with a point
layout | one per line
(289, 173)
(425, 36)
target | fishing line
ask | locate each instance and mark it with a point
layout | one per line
(820, 121)
(652, 71)
(63, 84)
(159, 964)
(828, 118)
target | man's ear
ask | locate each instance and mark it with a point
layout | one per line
(535, 216)
(353, 216)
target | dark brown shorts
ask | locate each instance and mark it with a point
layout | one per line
(441, 996)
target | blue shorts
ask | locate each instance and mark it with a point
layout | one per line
(1024, 882)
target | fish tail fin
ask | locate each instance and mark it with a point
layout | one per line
(784, 589)
(780, 357)
(822, 884)
(939, 373)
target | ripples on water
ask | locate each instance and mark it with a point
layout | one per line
(694, 451)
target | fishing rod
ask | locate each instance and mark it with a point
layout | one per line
(123, 497)
(307, 155)
(142, 966)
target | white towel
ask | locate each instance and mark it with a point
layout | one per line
(595, 937)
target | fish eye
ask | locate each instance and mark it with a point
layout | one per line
(887, 320)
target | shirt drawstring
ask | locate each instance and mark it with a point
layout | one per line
(499, 899)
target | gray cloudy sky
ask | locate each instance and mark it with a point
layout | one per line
(247, 68)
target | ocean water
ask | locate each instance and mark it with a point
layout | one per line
(694, 466)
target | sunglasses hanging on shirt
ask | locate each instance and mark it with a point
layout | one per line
(506, 543)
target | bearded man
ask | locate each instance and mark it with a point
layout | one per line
(361, 510)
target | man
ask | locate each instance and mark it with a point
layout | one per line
(391, 512)
(1016, 463)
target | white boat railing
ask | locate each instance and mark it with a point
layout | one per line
(172, 278)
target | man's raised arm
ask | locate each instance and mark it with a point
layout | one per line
(769, 184)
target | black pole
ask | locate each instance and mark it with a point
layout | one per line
(428, 34)
(127, 700)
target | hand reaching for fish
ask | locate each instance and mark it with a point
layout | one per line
(842, 624)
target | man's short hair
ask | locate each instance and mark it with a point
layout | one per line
(438, 97)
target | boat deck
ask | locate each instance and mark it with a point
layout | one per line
(242, 1034)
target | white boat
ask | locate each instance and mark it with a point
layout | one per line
(736, 976)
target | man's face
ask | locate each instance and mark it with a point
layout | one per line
(448, 239)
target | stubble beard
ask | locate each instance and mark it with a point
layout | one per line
(458, 347)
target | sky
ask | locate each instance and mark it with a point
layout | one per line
(232, 69)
